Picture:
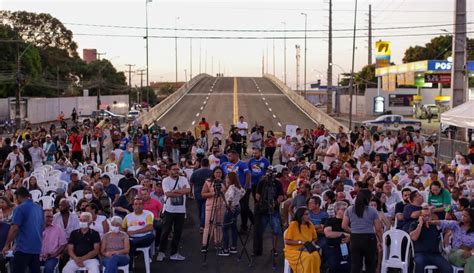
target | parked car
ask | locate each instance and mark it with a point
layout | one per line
(391, 122)
(133, 114)
(422, 111)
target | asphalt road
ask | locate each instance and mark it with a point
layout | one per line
(258, 100)
(190, 247)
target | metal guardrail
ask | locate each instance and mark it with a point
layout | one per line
(312, 111)
(168, 102)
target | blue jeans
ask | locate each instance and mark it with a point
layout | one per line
(201, 206)
(261, 223)
(49, 265)
(230, 222)
(113, 263)
(139, 242)
(424, 259)
(334, 260)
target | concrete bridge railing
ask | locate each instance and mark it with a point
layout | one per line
(158, 110)
(316, 114)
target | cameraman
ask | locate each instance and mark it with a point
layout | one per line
(268, 197)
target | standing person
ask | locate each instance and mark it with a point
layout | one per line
(26, 230)
(270, 146)
(243, 128)
(198, 178)
(49, 148)
(242, 170)
(143, 147)
(76, 148)
(54, 243)
(217, 131)
(256, 139)
(269, 194)
(214, 205)
(234, 193)
(257, 167)
(83, 247)
(362, 221)
(37, 154)
(336, 238)
(126, 159)
(74, 115)
(176, 188)
(287, 150)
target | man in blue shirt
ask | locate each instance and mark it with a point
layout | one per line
(124, 141)
(143, 145)
(242, 170)
(27, 231)
(257, 167)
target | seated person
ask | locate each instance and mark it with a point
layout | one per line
(83, 247)
(335, 235)
(101, 195)
(299, 232)
(53, 244)
(114, 247)
(426, 239)
(139, 226)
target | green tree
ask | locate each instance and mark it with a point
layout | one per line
(438, 48)
(102, 74)
(167, 89)
(363, 79)
(42, 30)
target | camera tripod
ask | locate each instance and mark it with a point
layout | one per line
(219, 195)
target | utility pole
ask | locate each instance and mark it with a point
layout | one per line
(370, 36)
(200, 42)
(141, 72)
(212, 65)
(129, 83)
(99, 54)
(351, 82)
(190, 58)
(58, 91)
(273, 57)
(205, 62)
(459, 70)
(146, 18)
(263, 64)
(267, 56)
(329, 73)
(298, 56)
(284, 50)
(305, 49)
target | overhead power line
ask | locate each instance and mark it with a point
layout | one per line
(261, 30)
(261, 38)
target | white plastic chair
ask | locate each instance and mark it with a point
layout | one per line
(279, 167)
(392, 255)
(72, 203)
(348, 188)
(430, 268)
(35, 195)
(123, 268)
(147, 256)
(457, 269)
(79, 194)
(62, 184)
(111, 168)
(287, 267)
(47, 202)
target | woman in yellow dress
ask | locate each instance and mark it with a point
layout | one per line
(300, 231)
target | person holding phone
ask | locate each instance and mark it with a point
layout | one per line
(336, 250)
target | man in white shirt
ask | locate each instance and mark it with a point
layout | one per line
(428, 152)
(176, 188)
(419, 139)
(14, 157)
(333, 151)
(37, 154)
(217, 131)
(243, 127)
(382, 148)
(325, 136)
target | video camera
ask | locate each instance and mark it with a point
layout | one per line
(217, 185)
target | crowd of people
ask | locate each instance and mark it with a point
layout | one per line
(89, 196)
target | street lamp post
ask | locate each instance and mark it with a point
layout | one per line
(351, 82)
(146, 37)
(305, 49)
(176, 50)
(284, 50)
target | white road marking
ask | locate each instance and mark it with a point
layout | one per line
(270, 109)
(197, 114)
(266, 103)
(202, 107)
(194, 122)
(279, 124)
(274, 116)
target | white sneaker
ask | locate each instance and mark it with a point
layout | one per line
(177, 257)
(160, 257)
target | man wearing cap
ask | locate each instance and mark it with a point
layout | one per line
(75, 184)
(49, 148)
(26, 230)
